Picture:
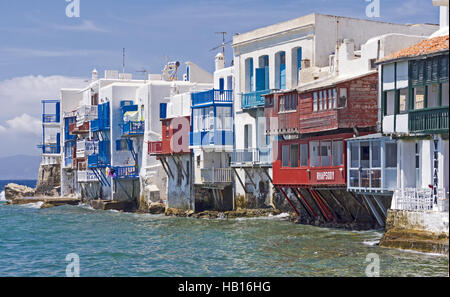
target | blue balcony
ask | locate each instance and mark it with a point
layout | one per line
(212, 97)
(211, 138)
(50, 148)
(53, 116)
(50, 118)
(126, 172)
(133, 128)
(67, 135)
(253, 99)
(102, 159)
(99, 125)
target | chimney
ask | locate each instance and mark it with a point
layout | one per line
(94, 75)
(220, 61)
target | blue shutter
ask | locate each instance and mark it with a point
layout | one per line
(252, 85)
(266, 78)
(162, 110)
(260, 79)
(299, 59)
(118, 142)
(221, 84)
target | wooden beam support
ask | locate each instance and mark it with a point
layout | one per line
(248, 174)
(240, 181)
(287, 198)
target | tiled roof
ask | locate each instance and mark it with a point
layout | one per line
(425, 47)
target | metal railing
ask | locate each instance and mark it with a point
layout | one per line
(216, 175)
(133, 128)
(412, 199)
(155, 147)
(86, 176)
(126, 172)
(428, 120)
(212, 96)
(50, 148)
(252, 157)
(253, 99)
(86, 148)
(50, 118)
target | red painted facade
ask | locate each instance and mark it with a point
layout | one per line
(309, 174)
(178, 127)
(316, 159)
(325, 109)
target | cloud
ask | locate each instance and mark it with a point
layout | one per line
(24, 124)
(84, 26)
(29, 53)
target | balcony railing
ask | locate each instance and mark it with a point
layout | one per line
(86, 176)
(133, 128)
(209, 138)
(86, 148)
(50, 148)
(87, 113)
(212, 96)
(216, 175)
(154, 147)
(126, 172)
(74, 129)
(99, 125)
(250, 157)
(253, 99)
(412, 199)
(430, 120)
(50, 118)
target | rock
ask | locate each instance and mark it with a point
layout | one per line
(49, 182)
(14, 191)
(156, 208)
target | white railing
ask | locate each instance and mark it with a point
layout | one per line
(216, 175)
(252, 156)
(86, 113)
(86, 148)
(86, 176)
(412, 199)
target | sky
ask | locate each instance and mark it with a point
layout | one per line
(43, 50)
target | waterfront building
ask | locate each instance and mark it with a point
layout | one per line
(281, 58)
(51, 137)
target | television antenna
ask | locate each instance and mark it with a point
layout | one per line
(144, 71)
(223, 43)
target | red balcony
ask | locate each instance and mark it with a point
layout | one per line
(155, 147)
(73, 129)
(311, 162)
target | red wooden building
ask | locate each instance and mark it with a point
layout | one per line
(313, 123)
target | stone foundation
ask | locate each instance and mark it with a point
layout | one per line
(49, 180)
(419, 231)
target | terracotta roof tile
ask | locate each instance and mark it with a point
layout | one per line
(425, 47)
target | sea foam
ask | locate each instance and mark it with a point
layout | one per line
(2, 196)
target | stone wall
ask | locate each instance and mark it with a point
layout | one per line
(421, 231)
(49, 180)
(205, 200)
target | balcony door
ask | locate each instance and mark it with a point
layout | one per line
(248, 137)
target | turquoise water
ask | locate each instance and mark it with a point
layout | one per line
(35, 242)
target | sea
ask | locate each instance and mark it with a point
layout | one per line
(42, 242)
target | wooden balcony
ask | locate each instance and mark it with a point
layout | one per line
(216, 175)
(74, 129)
(430, 120)
(155, 148)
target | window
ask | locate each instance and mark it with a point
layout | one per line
(445, 94)
(334, 98)
(121, 145)
(325, 100)
(320, 101)
(417, 156)
(314, 153)
(390, 102)
(315, 101)
(432, 95)
(294, 155)
(403, 102)
(338, 153)
(304, 154)
(354, 154)
(330, 99)
(342, 97)
(223, 119)
(391, 155)
(325, 153)
(376, 154)
(365, 154)
(285, 155)
(198, 161)
(419, 98)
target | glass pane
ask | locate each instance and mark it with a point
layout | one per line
(304, 154)
(314, 153)
(391, 155)
(376, 179)
(390, 179)
(376, 154)
(338, 153)
(285, 155)
(315, 101)
(365, 181)
(390, 102)
(419, 97)
(354, 178)
(325, 153)
(403, 100)
(294, 155)
(365, 154)
(354, 152)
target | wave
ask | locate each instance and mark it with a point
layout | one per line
(281, 216)
(2, 196)
(36, 205)
(371, 242)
